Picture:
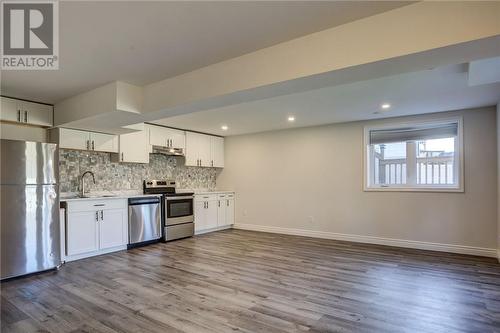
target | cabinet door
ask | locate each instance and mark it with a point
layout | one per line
(191, 149)
(36, 114)
(221, 211)
(10, 111)
(211, 216)
(217, 151)
(200, 215)
(134, 147)
(177, 138)
(158, 136)
(112, 228)
(204, 150)
(82, 233)
(104, 142)
(73, 139)
(230, 211)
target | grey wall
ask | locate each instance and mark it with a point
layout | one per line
(126, 176)
(312, 179)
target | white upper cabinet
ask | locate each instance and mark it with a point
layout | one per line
(204, 150)
(83, 140)
(191, 153)
(134, 147)
(9, 110)
(27, 112)
(167, 137)
(104, 142)
(36, 114)
(217, 151)
(71, 139)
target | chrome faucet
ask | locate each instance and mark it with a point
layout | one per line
(82, 182)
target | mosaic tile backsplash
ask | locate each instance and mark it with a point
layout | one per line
(111, 176)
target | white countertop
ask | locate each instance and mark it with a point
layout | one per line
(100, 195)
(125, 194)
(202, 191)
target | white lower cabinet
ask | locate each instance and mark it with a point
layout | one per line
(82, 230)
(213, 211)
(112, 230)
(225, 216)
(205, 212)
(95, 227)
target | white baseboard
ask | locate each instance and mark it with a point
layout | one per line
(204, 231)
(93, 254)
(477, 251)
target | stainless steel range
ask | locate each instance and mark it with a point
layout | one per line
(178, 208)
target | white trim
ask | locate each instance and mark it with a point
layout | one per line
(416, 188)
(462, 249)
(94, 253)
(204, 231)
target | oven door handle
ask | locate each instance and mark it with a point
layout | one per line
(179, 198)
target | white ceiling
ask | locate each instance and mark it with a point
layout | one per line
(145, 41)
(440, 89)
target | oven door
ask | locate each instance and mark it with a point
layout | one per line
(178, 210)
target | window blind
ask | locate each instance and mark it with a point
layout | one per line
(413, 133)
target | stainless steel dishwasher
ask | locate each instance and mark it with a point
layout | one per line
(144, 220)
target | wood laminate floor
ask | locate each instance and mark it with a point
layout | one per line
(258, 282)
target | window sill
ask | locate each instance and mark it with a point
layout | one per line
(415, 189)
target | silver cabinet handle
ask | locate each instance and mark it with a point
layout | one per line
(93, 145)
(122, 157)
(97, 216)
(219, 203)
(25, 116)
(212, 162)
(227, 203)
(102, 215)
(19, 115)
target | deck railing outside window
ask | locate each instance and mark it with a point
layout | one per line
(431, 170)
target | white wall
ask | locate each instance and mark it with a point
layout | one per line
(22, 132)
(312, 179)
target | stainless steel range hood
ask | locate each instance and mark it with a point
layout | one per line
(168, 151)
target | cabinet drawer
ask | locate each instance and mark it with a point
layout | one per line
(205, 197)
(97, 204)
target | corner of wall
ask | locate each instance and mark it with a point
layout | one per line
(498, 181)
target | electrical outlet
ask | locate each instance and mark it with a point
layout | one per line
(245, 212)
(310, 219)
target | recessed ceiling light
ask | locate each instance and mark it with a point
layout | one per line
(291, 118)
(224, 127)
(385, 106)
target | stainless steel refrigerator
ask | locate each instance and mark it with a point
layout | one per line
(29, 207)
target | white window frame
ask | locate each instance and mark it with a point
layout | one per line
(458, 165)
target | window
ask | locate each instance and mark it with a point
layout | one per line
(414, 156)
